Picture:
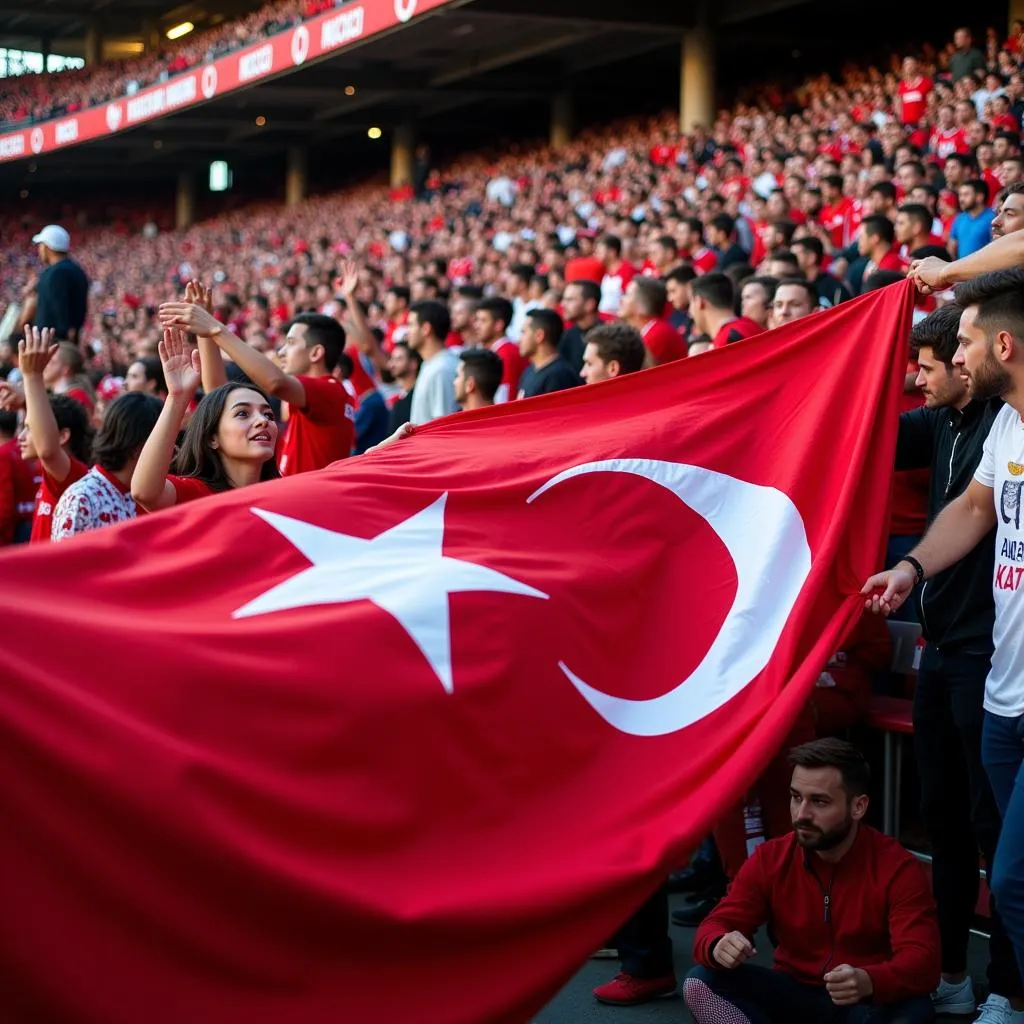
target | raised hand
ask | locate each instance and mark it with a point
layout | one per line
(35, 350)
(349, 278)
(896, 585)
(181, 364)
(11, 397)
(191, 317)
(197, 292)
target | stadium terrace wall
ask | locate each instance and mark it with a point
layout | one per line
(327, 33)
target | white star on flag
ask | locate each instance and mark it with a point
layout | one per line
(402, 571)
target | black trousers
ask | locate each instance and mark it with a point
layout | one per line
(645, 948)
(959, 811)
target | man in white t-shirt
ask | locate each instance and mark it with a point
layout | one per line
(434, 393)
(991, 358)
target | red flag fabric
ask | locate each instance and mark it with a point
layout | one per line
(404, 739)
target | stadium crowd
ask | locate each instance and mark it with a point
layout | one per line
(31, 98)
(146, 368)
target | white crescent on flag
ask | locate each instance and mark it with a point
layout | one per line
(764, 533)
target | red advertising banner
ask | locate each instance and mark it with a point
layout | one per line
(283, 52)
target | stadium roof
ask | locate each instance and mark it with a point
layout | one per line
(64, 23)
(465, 64)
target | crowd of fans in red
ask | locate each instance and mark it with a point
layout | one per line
(329, 325)
(39, 97)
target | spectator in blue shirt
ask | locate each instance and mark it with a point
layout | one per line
(972, 228)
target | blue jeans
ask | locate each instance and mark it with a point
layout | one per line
(1002, 750)
(765, 996)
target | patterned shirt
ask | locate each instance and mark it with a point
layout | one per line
(98, 499)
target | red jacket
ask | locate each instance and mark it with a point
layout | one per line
(880, 914)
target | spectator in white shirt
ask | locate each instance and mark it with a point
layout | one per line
(104, 495)
(517, 289)
(434, 394)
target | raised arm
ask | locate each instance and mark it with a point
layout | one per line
(933, 274)
(35, 350)
(189, 316)
(360, 331)
(959, 528)
(150, 487)
(211, 360)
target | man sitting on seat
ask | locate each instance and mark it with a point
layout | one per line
(851, 913)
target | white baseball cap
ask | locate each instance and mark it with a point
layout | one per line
(54, 237)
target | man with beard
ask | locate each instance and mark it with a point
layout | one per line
(852, 918)
(958, 809)
(991, 357)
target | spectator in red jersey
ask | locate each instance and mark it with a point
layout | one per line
(17, 484)
(56, 430)
(876, 955)
(612, 350)
(547, 372)
(617, 273)
(875, 243)
(396, 309)
(321, 413)
(756, 296)
(103, 496)
(913, 93)
(642, 307)
(947, 137)
(794, 299)
(65, 375)
(490, 323)
(663, 256)
(1003, 118)
(580, 301)
(692, 248)
(711, 307)
(956, 170)
(478, 378)
(810, 254)
(229, 442)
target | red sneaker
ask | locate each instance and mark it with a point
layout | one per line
(629, 990)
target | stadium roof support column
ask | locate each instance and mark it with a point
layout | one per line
(185, 201)
(93, 43)
(561, 119)
(402, 144)
(295, 176)
(697, 75)
(151, 36)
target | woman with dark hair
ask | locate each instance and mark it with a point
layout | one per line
(229, 442)
(103, 496)
(56, 429)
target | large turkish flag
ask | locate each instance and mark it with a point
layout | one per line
(404, 739)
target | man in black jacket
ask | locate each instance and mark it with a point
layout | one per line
(957, 612)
